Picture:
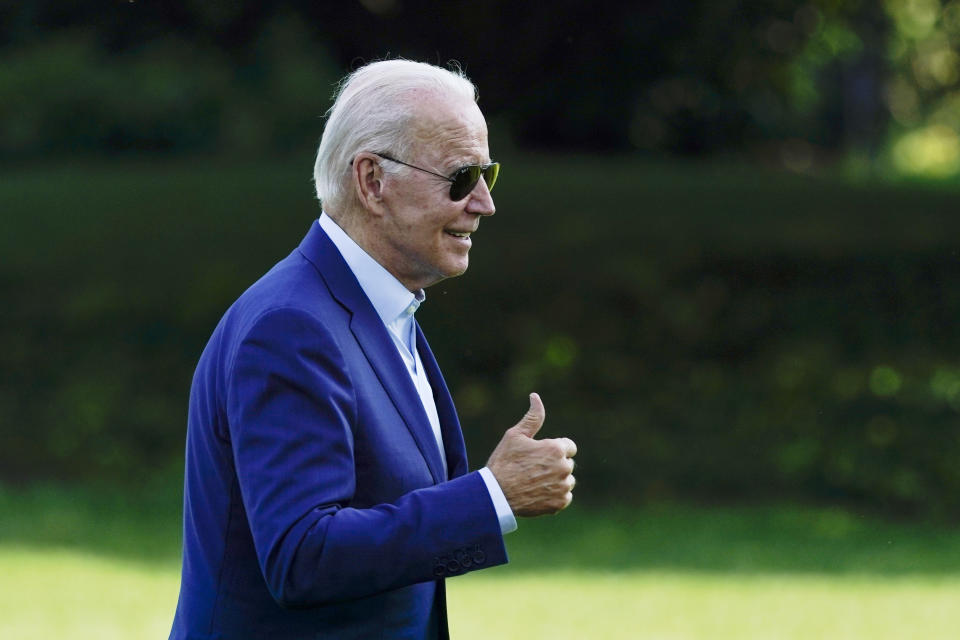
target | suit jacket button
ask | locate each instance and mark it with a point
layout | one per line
(479, 556)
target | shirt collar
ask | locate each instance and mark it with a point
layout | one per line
(389, 297)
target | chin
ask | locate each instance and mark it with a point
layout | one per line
(457, 269)
(453, 266)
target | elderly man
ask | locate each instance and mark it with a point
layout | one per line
(327, 493)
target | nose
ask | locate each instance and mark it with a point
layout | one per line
(481, 202)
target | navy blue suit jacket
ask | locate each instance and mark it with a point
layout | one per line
(315, 504)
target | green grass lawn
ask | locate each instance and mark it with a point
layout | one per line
(99, 565)
(676, 605)
(71, 593)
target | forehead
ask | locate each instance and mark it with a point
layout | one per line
(449, 129)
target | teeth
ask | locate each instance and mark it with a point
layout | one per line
(459, 234)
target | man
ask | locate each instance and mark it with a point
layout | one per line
(327, 493)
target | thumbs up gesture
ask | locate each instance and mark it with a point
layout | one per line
(536, 476)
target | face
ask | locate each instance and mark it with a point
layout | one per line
(425, 236)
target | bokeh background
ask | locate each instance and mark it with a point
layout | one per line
(726, 255)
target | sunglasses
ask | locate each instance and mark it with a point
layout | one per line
(463, 180)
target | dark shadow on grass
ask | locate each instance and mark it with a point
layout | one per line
(746, 539)
(142, 526)
(145, 527)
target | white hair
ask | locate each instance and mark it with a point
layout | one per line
(372, 112)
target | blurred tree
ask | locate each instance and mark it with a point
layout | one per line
(923, 93)
(791, 80)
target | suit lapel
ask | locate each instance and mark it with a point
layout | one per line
(375, 342)
(449, 423)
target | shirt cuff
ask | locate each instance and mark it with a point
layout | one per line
(508, 523)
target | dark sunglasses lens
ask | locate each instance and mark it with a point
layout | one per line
(464, 181)
(467, 178)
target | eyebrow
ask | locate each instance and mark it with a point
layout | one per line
(464, 161)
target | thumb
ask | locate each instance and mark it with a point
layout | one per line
(532, 420)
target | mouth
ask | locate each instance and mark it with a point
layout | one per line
(458, 234)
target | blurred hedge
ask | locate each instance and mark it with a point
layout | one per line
(700, 332)
(796, 78)
(66, 93)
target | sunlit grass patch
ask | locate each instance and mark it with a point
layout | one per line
(696, 606)
(72, 594)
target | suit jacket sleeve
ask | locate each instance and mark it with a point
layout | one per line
(291, 410)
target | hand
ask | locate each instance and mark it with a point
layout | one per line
(536, 476)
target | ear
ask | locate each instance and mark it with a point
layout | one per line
(368, 178)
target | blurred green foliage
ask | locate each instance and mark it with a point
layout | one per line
(711, 332)
(700, 332)
(795, 83)
(66, 93)
(923, 94)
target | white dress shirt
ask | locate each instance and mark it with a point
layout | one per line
(395, 305)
